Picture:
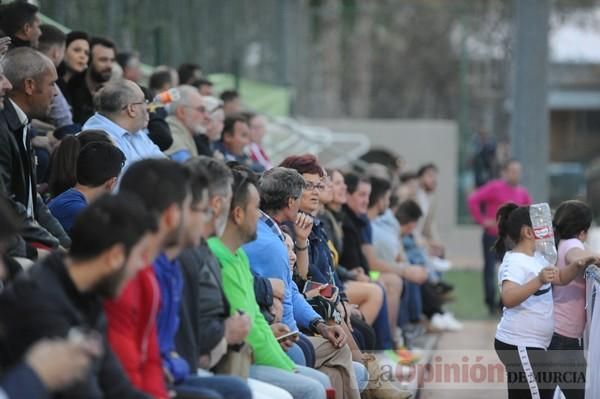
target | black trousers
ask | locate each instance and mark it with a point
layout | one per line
(528, 371)
(567, 359)
(490, 279)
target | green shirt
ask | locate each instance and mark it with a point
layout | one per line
(238, 285)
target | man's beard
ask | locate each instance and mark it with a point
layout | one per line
(109, 286)
(100, 77)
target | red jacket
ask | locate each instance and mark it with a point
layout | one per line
(132, 332)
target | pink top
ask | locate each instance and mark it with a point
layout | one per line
(492, 196)
(569, 300)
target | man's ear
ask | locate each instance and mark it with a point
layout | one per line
(172, 216)
(238, 215)
(216, 203)
(29, 86)
(109, 185)
(114, 258)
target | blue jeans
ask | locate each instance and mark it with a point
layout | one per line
(302, 385)
(411, 305)
(226, 387)
(382, 327)
(297, 355)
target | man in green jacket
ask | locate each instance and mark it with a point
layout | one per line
(271, 364)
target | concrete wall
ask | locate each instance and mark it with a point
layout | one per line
(419, 142)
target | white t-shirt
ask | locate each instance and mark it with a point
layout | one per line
(531, 323)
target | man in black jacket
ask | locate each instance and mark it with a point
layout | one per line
(62, 295)
(206, 330)
(32, 76)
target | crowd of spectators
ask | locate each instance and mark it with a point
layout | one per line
(154, 250)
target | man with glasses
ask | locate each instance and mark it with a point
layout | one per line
(121, 111)
(188, 118)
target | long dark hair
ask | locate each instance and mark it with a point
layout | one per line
(510, 218)
(571, 218)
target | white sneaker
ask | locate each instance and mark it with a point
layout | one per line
(438, 322)
(451, 323)
(441, 265)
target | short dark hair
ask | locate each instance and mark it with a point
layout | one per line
(109, 220)
(97, 163)
(242, 180)
(63, 161)
(199, 182)
(159, 183)
(15, 15)
(159, 78)
(352, 181)
(203, 82)
(230, 121)
(229, 95)
(509, 162)
(220, 175)
(123, 58)
(101, 41)
(277, 186)
(425, 168)
(51, 36)
(306, 163)
(408, 176)
(379, 187)
(186, 73)
(408, 211)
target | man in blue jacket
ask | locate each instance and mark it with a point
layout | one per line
(280, 190)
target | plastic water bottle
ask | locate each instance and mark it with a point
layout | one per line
(541, 221)
(164, 98)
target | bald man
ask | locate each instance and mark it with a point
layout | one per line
(31, 76)
(122, 112)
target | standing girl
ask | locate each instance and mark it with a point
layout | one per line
(525, 330)
(572, 221)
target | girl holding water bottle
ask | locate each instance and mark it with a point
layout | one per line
(527, 323)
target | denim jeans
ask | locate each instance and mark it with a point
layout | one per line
(382, 327)
(302, 385)
(220, 386)
(411, 305)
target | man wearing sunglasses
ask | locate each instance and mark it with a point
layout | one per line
(121, 111)
(188, 118)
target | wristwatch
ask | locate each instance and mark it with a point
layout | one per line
(314, 323)
(299, 248)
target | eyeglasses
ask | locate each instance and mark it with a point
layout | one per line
(145, 102)
(310, 186)
(200, 109)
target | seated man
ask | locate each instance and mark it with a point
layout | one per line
(98, 166)
(280, 190)
(234, 142)
(62, 295)
(170, 280)
(30, 97)
(425, 298)
(188, 118)
(207, 332)
(270, 361)
(122, 113)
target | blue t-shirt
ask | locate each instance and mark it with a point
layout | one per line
(366, 233)
(66, 206)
